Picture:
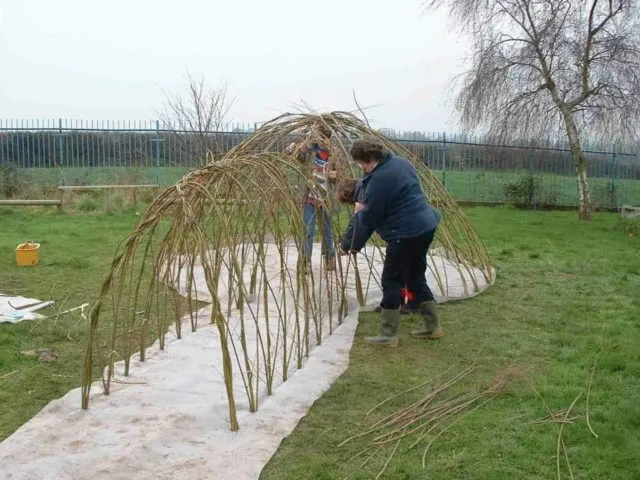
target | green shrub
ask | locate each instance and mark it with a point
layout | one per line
(87, 204)
(146, 195)
(529, 192)
(522, 193)
(11, 183)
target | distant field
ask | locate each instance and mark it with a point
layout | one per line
(477, 185)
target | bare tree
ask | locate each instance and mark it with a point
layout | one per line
(198, 117)
(542, 67)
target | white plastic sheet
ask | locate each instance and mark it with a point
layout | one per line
(169, 419)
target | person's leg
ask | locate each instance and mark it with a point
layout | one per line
(392, 278)
(392, 283)
(423, 296)
(417, 274)
(328, 247)
(309, 218)
(404, 273)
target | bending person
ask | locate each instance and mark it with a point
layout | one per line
(349, 192)
(395, 207)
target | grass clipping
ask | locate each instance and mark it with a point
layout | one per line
(422, 422)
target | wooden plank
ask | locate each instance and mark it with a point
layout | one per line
(27, 203)
(83, 188)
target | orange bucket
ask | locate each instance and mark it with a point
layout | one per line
(28, 254)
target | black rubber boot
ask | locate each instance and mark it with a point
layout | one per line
(389, 327)
(431, 329)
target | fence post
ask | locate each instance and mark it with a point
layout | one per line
(614, 194)
(444, 160)
(61, 136)
(532, 193)
(60, 142)
(157, 141)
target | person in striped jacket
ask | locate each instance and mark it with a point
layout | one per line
(317, 159)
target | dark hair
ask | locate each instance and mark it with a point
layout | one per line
(368, 149)
(346, 191)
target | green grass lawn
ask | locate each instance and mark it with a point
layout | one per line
(567, 293)
(76, 251)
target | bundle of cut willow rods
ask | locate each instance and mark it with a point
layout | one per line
(425, 420)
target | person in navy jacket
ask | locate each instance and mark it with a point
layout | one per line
(349, 191)
(394, 206)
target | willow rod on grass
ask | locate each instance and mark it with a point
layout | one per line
(216, 220)
(429, 417)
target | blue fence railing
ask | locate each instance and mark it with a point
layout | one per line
(51, 153)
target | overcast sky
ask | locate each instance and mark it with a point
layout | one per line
(112, 60)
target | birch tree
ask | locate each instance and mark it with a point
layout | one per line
(542, 67)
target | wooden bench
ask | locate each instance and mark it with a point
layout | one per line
(31, 203)
(106, 189)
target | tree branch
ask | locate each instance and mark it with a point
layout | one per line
(584, 53)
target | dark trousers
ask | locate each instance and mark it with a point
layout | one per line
(405, 264)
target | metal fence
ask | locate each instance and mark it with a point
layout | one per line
(46, 154)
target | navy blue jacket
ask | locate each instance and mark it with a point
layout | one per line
(395, 205)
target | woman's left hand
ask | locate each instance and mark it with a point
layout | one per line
(291, 148)
(359, 207)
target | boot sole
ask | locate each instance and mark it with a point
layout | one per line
(402, 312)
(437, 335)
(391, 343)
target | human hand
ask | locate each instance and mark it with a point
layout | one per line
(359, 207)
(291, 148)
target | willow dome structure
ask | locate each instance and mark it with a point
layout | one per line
(219, 247)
